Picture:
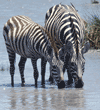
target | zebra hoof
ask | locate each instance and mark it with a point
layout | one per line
(51, 80)
(69, 82)
(79, 84)
(61, 85)
(43, 85)
(12, 80)
(23, 84)
(12, 84)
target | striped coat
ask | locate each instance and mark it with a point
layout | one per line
(30, 40)
(67, 29)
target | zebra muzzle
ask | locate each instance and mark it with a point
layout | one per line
(79, 83)
(61, 85)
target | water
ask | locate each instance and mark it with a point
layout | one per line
(28, 97)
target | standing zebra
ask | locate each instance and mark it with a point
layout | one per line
(67, 29)
(30, 40)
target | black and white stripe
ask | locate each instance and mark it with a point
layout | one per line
(67, 29)
(30, 40)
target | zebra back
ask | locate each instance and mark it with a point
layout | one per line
(62, 21)
(25, 37)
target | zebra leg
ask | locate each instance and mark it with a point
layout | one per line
(12, 57)
(21, 69)
(36, 75)
(70, 79)
(66, 66)
(51, 80)
(43, 67)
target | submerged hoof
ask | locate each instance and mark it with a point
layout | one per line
(51, 80)
(43, 85)
(12, 84)
(69, 82)
(79, 84)
(23, 84)
(61, 85)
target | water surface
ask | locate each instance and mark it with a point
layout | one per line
(28, 97)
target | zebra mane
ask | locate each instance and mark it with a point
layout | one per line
(80, 21)
(76, 45)
(73, 6)
(76, 38)
(52, 42)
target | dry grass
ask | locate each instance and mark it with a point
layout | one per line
(92, 31)
(3, 68)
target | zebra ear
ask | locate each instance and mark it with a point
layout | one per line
(86, 47)
(49, 50)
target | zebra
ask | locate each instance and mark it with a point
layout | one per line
(67, 29)
(30, 40)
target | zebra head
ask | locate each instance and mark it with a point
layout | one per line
(56, 66)
(74, 62)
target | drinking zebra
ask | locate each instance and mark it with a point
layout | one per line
(67, 29)
(30, 40)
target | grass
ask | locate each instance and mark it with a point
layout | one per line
(92, 31)
(94, 2)
(2, 68)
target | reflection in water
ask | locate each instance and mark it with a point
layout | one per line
(36, 100)
(13, 99)
(44, 99)
(23, 97)
(47, 98)
(17, 98)
(28, 97)
(69, 98)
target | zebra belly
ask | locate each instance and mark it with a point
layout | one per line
(27, 53)
(23, 51)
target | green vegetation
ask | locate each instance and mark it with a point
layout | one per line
(92, 31)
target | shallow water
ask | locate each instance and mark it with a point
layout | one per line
(28, 97)
(50, 97)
